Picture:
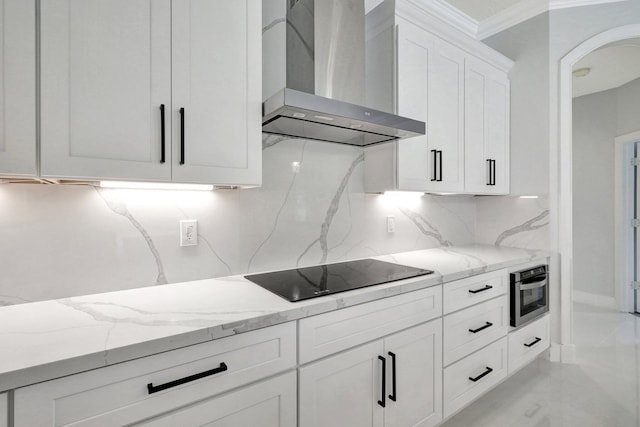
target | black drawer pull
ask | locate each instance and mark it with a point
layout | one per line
(475, 291)
(383, 402)
(154, 389)
(482, 375)
(486, 325)
(393, 396)
(534, 342)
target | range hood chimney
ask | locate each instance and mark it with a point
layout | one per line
(314, 75)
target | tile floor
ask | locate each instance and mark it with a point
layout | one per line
(602, 389)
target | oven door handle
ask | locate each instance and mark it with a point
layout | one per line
(533, 286)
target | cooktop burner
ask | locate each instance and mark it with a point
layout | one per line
(309, 282)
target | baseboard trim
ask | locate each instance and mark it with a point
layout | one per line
(594, 299)
(562, 353)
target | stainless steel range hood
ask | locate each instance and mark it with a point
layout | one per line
(314, 75)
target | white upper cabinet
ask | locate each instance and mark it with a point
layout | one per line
(430, 89)
(105, 72)
(117, 74)
(486, 129)
(447, 82)
(217, 62)
(17, 88)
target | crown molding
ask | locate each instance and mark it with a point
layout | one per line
(450, 15)
(519, 12)
(415, 12)
(563, 4)
(514, 15)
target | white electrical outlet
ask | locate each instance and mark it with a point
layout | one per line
(188, 232)
(391, 224)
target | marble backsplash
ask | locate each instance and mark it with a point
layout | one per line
(513, 221)
(65, 240)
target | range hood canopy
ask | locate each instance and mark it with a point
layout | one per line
(300, 114)
(316, 90)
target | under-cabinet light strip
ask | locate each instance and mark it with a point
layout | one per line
(155, 185)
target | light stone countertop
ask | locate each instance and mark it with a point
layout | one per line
(50, 339)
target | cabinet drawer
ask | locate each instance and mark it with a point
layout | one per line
(471, 329)
(466, 292)
(269, 403)
(332, 332)
(487, 367)
(119, 394)
(4, 410)
(528, 342)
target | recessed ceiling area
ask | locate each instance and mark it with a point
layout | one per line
(611, 66)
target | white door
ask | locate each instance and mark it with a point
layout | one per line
(431, 89)
(486, 129)
(271, 403)
(217, 91)
(105, 73)
(343, 390)
(17, 88)
(417, 374)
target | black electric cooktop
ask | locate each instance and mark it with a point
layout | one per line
(309, 282)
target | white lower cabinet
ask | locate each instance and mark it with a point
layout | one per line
(270, 403)
(395, 381)
(4, 410)
(469, 378)
(527, 343)
(141, 389)
(471, 329)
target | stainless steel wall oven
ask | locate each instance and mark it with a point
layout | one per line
(529, 294)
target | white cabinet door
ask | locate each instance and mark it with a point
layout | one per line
(217, 65)
(486, 129)
(270, 403)
(105, 72)
(431, 89)
(17, 88)
(418, 376)
(343, 390)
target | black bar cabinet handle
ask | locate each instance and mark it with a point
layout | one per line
(493, 175)
(486, 325)
(435, 160)
(393, 395)
(482, 375)
(534, 342)
(156, 388)
(440, 163)
(383, 402)
(162, 135)
(182, 136)
(475, 291)
(488, 171)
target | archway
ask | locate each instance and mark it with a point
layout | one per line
(565, 185)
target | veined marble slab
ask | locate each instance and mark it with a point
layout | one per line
(50, 339)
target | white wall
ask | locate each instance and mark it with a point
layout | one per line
(594, 129)
(597, 120)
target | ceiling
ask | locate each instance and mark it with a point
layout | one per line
(611, 66)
